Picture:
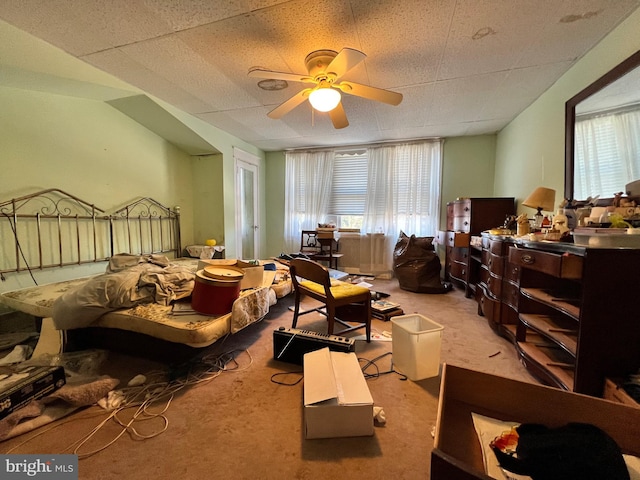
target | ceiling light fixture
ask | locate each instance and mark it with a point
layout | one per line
(324, 98)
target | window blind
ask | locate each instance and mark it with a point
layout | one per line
(349, 185)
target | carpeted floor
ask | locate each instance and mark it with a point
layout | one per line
(241, 424)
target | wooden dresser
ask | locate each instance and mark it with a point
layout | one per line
(498, 288)
(568, 309)
(467, 217)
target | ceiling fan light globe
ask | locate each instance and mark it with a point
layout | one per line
(324, 99)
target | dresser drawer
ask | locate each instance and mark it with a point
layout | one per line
(497, 247)
(457, 239)
(462, 208)
(511, 292)
(496, 264)
(490, 308)
(462, 224)
(494, 286)
(511, 272)
(460, 255)
(557, 265)
(458, 270)
(484, 275)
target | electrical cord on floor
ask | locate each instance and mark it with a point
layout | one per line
(378, 373)
(368, 364)
(151, 401)
(286, 384)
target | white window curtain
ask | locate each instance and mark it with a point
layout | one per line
(308, 188)
(607, 149)
(403, 194)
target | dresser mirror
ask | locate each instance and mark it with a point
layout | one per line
(616, 92)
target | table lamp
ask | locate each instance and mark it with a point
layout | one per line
(542, 198)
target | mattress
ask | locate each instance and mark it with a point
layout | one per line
(157, 320)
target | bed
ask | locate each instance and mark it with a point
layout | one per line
(52, 229)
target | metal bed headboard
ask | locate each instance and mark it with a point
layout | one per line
(52, 228)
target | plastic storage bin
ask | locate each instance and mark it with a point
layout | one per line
(607, 237)
(416, 344)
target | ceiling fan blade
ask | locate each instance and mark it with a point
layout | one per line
(289, 77)
(372, 93)
(290, 104)
(345, 61)
(339, 117)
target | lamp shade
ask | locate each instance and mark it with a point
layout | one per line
(542, 198)
(324, 99)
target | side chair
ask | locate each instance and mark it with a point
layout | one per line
(312, 279)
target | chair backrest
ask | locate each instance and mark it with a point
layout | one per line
(309, 242)
(309, 270)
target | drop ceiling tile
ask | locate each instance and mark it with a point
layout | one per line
(488, 37)
(124, 67)
(575, 27)
(205, 81)
(96, 25)
(404, 41)
(185, 14)
(296, 28)
(414, 110)
(519, 89)
(234, 46)
(461, 100)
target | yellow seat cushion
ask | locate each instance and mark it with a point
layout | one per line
(338, 289)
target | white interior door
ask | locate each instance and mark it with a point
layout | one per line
(247, 212)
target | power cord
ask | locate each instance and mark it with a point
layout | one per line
(286, 384)
(378, 373)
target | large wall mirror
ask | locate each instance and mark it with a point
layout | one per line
(602, 134)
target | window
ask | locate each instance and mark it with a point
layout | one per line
(348, 189)
(384, 188)
(607, 153)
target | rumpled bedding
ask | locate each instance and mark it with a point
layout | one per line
(130, 280)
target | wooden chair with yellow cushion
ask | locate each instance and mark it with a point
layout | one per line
(313, 280)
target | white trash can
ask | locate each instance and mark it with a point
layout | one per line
(416, 344)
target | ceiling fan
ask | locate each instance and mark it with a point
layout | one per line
(325, 68)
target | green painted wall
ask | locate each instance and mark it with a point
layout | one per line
(225, 202)
(90, 150)
(208, 188)
(530, 150)
(467, 169)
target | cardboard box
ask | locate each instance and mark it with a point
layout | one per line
(32, 383)
(337, 401)
(253, 274)
(457, 453)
